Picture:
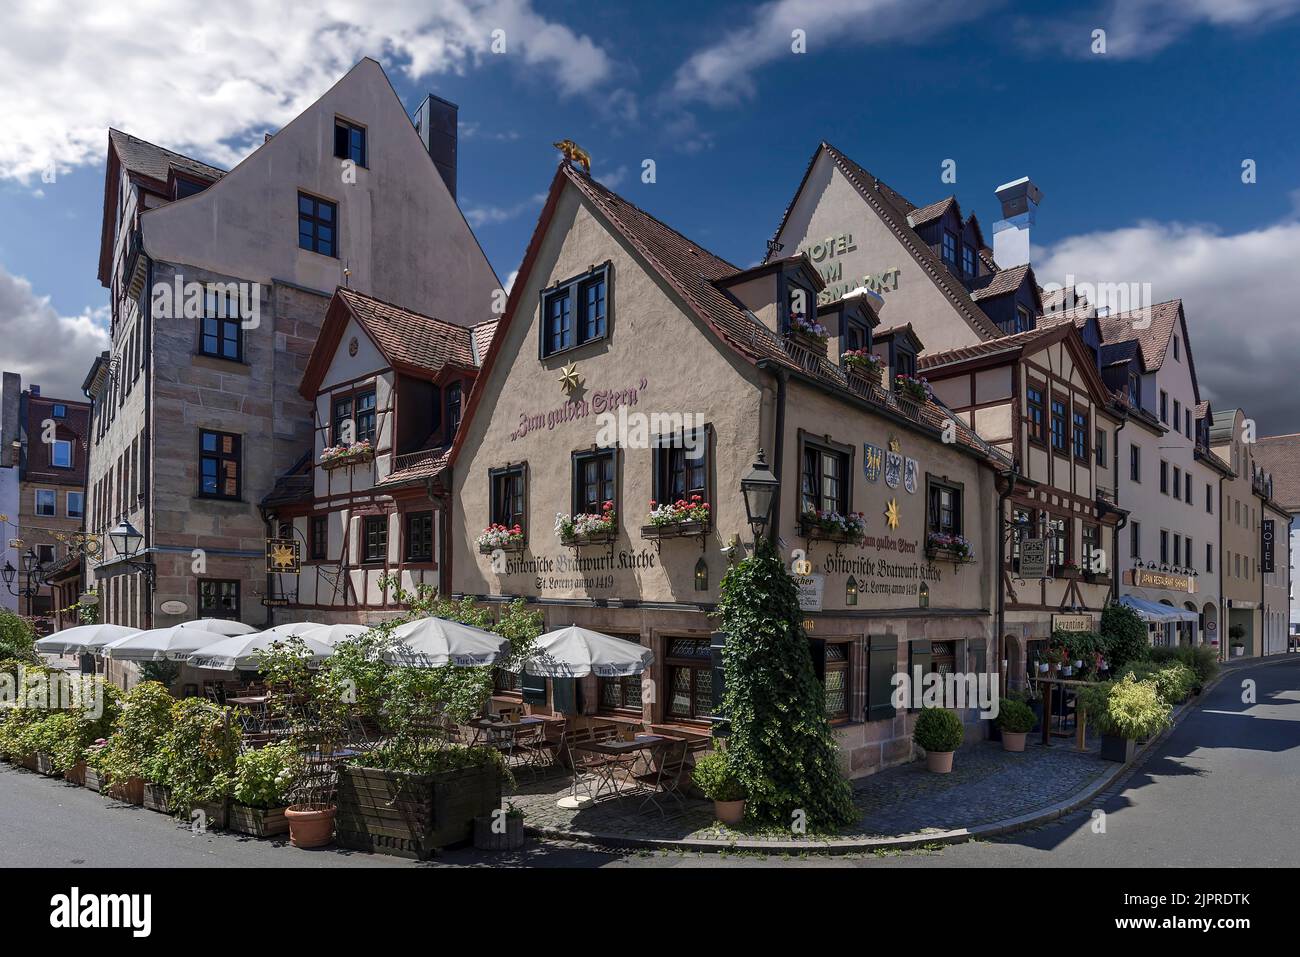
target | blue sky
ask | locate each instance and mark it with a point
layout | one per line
(1138, 150)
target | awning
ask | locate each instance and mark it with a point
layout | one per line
(1155, 612)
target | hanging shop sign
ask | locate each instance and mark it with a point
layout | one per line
(811, 589)
(1268, 540)
(1146, 578)
(283, 556)
(1072, 623)
(1033, 558)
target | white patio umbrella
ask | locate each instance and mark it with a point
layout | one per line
(575, 652)
(160, 644)
(434, 642)
(240, 652)
(291, 628)
(79, 638)
(333, 634)
(221, 626)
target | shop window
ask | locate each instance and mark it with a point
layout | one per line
(317, 225)
(690, 679)
(419, 536)
(593, 481)
(219, 464)
(823, 480)
(944, 514)
(576, 312)
(1058, 426)
(319, 537)
(350, 141)
(218, 598)
(681, 465)
(508, 488)
(1035, 412)
(374, 538)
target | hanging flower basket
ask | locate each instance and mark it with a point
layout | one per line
(949, 548)
(913, 388)
(339, 456)
(864, 365)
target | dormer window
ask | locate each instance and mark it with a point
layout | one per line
(968, 260)
(856, 336)
(1134, 391)
(576, 312)
(949, 248)
(1024, 321)
(802, 306)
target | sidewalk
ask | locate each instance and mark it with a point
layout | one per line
(989, 792)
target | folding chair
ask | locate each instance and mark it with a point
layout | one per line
(666, 778)
(586, 765)
(542, 746)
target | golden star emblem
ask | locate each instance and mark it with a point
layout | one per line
(891, 513)
(570, 379)
(282, 556)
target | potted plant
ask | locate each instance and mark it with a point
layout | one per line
(1015, 720)
(808, 333)
(338, 456)
(714, 776)
(833, 527)
(938, 732)
(863, 363)
(1123, 711)
(198, 754)
(957, 548)
(1237, 635)
(264, 780)
(137, 733)
(916, 389)
(679, 519)
(502, 830)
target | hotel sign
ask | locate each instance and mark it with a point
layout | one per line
(825, 255)
(1072, 623)
(1269, 539)
(1146, 578)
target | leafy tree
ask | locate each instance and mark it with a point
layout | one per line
(780, 743)
(17, 637)
(1124, 635)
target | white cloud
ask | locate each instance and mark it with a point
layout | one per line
(209, 83)
(490, 215)
(1138, 28)
(1239, 296)
(45, 348)
(723, 73)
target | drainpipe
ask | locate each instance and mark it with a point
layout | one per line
(1123, 520)
(1001, 598)
(146, 507)
(778, 449)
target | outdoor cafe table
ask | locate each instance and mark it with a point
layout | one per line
(614, 749)
(508, 730)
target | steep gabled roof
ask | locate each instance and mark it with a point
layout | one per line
(1151, 328)
(894, 210)
(1280, 455)
(156, 162)
(928, 214)
(413, 343)
(1001, 283)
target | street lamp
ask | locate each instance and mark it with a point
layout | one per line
(9, 573)
(759, 487)
(126, 540)
(32, 579)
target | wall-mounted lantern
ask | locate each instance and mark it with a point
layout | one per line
(923, 595)
(701, 575)
(851, 591)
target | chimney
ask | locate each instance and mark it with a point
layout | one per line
(1020, 201)
(10, 385)
(435, 121)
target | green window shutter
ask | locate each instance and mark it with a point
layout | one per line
(881, 666)
(919, 655)
(717, 714)
(817, 647)
(565, 691)
(533, 688)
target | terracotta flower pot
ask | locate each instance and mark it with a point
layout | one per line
(310, 825)
(729, 812)
(940, 762)
(1013, 740)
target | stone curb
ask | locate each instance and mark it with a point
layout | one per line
(903, 842)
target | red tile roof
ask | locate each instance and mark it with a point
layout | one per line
(1000, 283)
(928, 214)
(410, 338)
(1151, 328)
(417, 467)
(990, 347)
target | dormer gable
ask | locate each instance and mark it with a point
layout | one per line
(782, 293)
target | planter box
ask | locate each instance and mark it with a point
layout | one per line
(814, 344)
(486, 839)
(1117, 749)
(76, 774)
(28, 761)
(675, 530)
(514, 548)
(130, 791)
(948, 555)
(864, 379)
(45, 765)
(215, 814)
(599, 538)
(411, 815)
(341, 461)
(93, 780)
(814, 532)
(257, 821)
(158, 797)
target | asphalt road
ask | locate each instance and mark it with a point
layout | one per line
(1218, 792)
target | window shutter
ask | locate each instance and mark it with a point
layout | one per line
(883, 662)
(817, 646)
(564, 695)
(656, 469)
(981, 658)
(718, 717)
(533, 688)
(919, 655)
(340, 141)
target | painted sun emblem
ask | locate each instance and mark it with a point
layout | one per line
(282, 556)
(570, 378)
(891, 513)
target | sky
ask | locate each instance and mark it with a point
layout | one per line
(1138, 147)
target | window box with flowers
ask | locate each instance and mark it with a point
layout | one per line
(339, 456)
(808, 333)
(499, 537)
(863, 364)
(1069, 569)
(588, 529)
(913, 388)
(683, 518)
(824, 526)
(950, 548)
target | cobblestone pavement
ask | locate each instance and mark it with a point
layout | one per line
(987, 784)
